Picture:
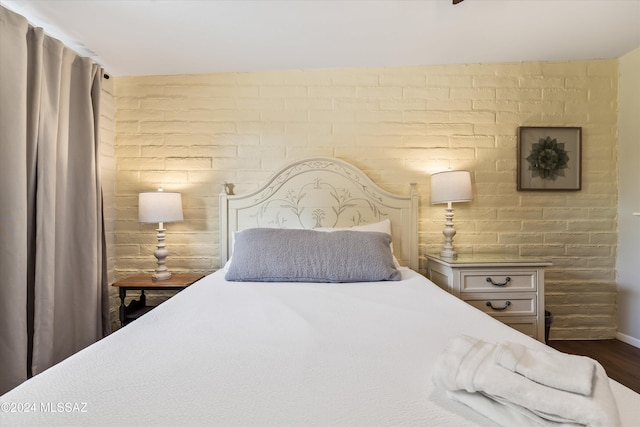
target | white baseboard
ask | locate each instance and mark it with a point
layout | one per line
(628, 339)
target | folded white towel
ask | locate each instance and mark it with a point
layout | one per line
(551, 368)
(467, 364)
(501, 413)
(496, 411)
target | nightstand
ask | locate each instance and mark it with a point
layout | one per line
(143, 282)
(509, 288)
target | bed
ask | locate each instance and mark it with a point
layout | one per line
(282, 353)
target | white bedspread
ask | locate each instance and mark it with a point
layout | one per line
(272, 354)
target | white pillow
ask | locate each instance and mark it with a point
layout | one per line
(383, 226)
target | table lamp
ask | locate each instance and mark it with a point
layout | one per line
(160, 207)
(450, 187)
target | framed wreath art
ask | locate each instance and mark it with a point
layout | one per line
(549, 158)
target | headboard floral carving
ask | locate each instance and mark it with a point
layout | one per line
(321, 192)
(346, 210)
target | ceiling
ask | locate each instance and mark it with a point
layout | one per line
(143, 37)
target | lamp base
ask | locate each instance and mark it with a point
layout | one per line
(449, 254)
(449, 232)
(161, 255)
(165, 275)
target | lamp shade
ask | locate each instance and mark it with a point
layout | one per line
(451, 186)
(159, 206)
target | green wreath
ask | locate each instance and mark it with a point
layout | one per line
(548, 159)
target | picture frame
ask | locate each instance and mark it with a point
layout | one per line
(549, 158)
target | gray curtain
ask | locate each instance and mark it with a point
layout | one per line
(52, 262)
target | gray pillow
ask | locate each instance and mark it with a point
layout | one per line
(283, 255)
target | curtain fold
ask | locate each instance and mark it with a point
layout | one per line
(53, 262)
(16, 197)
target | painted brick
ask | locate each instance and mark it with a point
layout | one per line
(601, 68)
(379, 116)
(352, 77)
(379, 92)
(283, 91)
(589, 250)
(544, 250)
(504, 201)
(449, 129)
(591, 226)
(608, 238)
(473, 117)
(161, 178)
(425, 117)
(522, 94)
(563, 68)
(566, 238)
(355, 104)
(520, 238)
(474, 93)
(566, 95)
(541, 82)
(520, 213)
(188, 163)
(127, 126)
(546, 107)
(308, 128)
(496, 81)
(428, 93)
(450, 81)
(498, 226)
(484, 141)
(331, 92)
(589, 82)
(138, 164)
(401, 79)
(235, 91)
(304, 104)
(449, 104)
(212, 104)
(403, 104)
(519, 69)
(496, 105)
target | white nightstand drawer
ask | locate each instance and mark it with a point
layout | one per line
(498, 280)
(504, 305)
(527, 326)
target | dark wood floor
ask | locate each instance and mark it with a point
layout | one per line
(619, 359)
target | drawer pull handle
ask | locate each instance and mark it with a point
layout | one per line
(506, 304)
(507, 280)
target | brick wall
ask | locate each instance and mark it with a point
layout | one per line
(191, 133)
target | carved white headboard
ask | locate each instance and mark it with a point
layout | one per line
(322, 192)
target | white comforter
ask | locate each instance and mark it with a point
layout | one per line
(272, 354)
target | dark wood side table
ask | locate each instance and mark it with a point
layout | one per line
(143, 282)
